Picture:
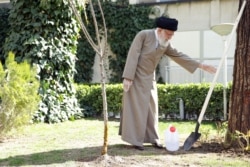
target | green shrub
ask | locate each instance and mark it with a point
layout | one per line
(19, 94)
(90, 98)
(193, 96)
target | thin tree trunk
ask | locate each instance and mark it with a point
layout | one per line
(101, 53)
(239, 109)
(105, 107)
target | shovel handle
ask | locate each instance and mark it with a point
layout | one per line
(221, 63)
(197, 127)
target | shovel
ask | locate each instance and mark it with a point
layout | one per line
(194, 136)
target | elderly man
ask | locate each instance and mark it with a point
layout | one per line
(139, 116)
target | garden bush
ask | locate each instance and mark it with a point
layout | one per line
(19, 94)
(193, 96)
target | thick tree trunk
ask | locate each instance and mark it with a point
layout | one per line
(239, 110)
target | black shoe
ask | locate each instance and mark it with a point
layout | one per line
(157, 145)
(141, 148)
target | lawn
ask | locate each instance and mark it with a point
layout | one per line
(79, 143)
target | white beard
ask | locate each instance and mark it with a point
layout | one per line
(162, 42)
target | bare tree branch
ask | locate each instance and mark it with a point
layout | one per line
(101, 53)
(83, 27)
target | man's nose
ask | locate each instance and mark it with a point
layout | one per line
(169, 37)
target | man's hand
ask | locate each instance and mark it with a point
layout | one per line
(126, 84)
(208, 68)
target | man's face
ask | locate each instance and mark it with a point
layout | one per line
(164, 36)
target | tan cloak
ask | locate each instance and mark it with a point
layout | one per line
(139, 116)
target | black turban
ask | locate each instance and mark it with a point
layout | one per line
(167, 23)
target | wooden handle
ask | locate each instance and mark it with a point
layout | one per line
(221, 63)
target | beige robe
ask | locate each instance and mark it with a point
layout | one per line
(139, 115)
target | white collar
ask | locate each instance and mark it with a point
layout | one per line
(156, 36)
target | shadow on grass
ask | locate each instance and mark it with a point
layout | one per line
(87, 154)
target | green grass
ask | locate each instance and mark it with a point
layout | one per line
(79, 142)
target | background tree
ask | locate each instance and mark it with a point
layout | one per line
(44, 33)
(239, 110)
(4, 27)
(123, 21)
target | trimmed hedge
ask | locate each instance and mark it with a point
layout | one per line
(90, 98)
(193, 96)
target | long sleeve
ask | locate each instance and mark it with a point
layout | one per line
(133, 56)
(182, 59)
